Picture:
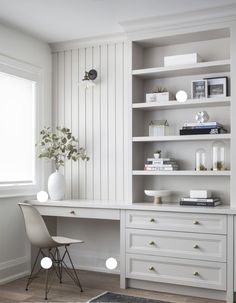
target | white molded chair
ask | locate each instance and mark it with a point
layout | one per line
(39, 236)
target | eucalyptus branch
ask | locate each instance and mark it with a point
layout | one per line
(60, 146)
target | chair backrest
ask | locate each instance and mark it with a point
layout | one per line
(35, 226)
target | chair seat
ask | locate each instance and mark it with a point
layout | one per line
(66, 241)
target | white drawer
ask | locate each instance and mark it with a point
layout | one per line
(176, 244)
(202, 274)
(75, 212)
(200, 223)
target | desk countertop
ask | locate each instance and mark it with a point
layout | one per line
(170, 207)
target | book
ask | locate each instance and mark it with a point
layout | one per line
(202, 131)
(209, 204)
(161, 168)
(206, 124)
(160, 159)
(161, 162)
(161, 165)
(206, 200)
(201, 126)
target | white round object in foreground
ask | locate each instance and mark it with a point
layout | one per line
(111, 263)
(42, 196)
(181, 96)
(46, 263)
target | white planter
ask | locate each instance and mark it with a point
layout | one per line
(155, 97)
(56, 186)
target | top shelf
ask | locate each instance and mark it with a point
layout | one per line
(218, 66)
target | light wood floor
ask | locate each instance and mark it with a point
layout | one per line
(93, 285)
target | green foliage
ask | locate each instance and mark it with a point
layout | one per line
(60, 146)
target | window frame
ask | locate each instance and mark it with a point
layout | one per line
(33, 73)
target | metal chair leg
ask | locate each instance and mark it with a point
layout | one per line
(32, 271)
(74, 270)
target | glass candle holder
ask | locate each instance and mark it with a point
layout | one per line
(218, 155)
(200, 159)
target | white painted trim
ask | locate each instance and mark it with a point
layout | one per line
(217, 14)
(87, 42)
(14, 277)
(14, 262)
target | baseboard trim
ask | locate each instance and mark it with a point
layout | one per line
(97, 269)
(14, 269)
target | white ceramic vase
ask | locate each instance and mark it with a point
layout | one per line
(56, 186)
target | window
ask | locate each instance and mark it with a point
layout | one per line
(17, 99)
(19, 91)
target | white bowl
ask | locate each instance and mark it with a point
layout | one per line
(157, 193)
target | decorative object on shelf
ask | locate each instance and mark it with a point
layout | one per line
(200, 198)
(200, 159)
(182, 59)
(42, 196)
(218, 155)
(157, 194)
(157, 154)
(58, 147)
(181, 96)
(202, 126)
(161, 164)
(199, 89)
(159, 128)
(158, 94)
(201, 194)
(202, 117)
(217, 87)
(89, 77)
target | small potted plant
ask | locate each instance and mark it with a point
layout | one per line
(59, 146)
(157, 154)
(158, 94)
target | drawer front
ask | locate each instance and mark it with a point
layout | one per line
(74, 212)
(176, 244)
(202, 274)
(200, 223)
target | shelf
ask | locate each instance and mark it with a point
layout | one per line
(182, 138)
(182, 70)
(191, 103)
(181, 173)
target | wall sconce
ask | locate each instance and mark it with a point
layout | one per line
(87, 81)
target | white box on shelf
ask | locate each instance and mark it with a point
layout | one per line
(155, 97)
(200, 194)
(182, 59)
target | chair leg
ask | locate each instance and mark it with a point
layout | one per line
(74, 270)
(32, 271)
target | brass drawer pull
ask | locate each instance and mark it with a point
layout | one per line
(72, 212)
(151, 243)
(195, 246)
(151, 268)
(152, 220)
(195, 222)
(196, 273)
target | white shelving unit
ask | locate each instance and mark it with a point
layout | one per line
(148, 73)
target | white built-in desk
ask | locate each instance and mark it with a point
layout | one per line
(171, 248)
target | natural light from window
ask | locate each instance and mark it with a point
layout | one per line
(17, 127)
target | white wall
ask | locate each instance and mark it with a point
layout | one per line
(99, 117)
(14, 249)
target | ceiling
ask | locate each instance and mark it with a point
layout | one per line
(61, 20)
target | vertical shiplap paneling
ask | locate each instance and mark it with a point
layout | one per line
(89, 127)
(55, 90)
(68, 116)
(97, 125)
(82, 123)
(119, 110)
(98, 116)
(104, 122)
(61, 91)
(75, 118)
(112, 121)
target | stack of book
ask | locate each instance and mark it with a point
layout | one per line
(200, 201)
(161, 164)
(202, 128)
